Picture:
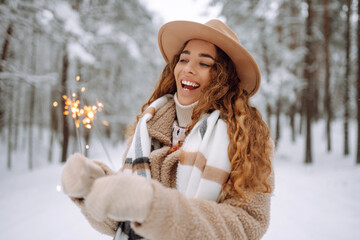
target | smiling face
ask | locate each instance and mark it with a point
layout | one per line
(193, 70)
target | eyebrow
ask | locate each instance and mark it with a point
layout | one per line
(200, 54)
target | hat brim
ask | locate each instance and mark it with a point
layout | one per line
(173, 35)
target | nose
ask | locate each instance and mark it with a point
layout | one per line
(189, 68)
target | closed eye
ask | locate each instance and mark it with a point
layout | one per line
(205, 65)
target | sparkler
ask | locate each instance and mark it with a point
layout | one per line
(83, 115)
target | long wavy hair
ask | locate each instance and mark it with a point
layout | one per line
(250, 147)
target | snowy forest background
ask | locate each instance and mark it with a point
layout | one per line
(106, 51)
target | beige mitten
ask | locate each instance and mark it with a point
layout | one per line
(79, 174)
(120, 197)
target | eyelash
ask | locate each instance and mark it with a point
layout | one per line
(202, 64)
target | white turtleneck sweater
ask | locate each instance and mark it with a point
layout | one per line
(183, 112)
(183, 115)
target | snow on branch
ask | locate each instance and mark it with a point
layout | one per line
(49, 78)
(76, 51)
(107, 32)
(70, 18)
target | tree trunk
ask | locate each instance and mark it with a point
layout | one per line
(292, 113)
(65, 142)
(327, 99)
(314, 78)
(268, 115)
(302, 111)
(10, 128)
(55, 111)
(51, 143)
(294, 10)
(31, 126)
(358, 88)
(277, 129)
(17, 114)
(308, 72)
(53, 125)
(268, 73)
(32, 104)
(4, 56)
(347, 80)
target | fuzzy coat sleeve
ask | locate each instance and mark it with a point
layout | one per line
(173, 216)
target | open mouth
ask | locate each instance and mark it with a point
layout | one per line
(188, 85)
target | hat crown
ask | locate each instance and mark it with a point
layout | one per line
(222, 28)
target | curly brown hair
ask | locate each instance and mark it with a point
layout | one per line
(250, 146)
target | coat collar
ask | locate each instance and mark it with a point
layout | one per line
(160, 125)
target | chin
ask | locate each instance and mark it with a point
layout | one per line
(186, 101)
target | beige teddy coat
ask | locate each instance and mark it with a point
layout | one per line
(173, 216)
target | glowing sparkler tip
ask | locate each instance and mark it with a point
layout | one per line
(77, 123)
(90, 115)
(58, 188)
(77, 78)
(83, 89)
(55, 104)
(86, 113)
(87, 146)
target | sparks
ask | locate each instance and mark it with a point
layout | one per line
(84, 115)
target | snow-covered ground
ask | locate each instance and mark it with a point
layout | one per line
(318, 201)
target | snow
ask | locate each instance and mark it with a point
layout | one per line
(131, 45)
(72, 26)
(70, 17)
(318, 201)
(44, 16)
(76, 51)
(190, 10)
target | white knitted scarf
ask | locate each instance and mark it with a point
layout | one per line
(204, 164)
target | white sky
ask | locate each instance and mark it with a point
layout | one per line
(193, 10)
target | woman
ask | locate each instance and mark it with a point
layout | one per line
(198, 165)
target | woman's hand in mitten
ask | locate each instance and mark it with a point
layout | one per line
(79, 174)
(120, 197)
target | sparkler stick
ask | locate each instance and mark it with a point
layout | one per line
(105, 150)
(77, 131)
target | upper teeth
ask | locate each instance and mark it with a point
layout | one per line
(188, 83)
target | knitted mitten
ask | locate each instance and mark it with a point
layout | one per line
(79, 174)
(121, 197)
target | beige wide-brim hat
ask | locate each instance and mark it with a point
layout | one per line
(173, 35)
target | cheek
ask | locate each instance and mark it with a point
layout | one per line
(207, 78)
(176, 71)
